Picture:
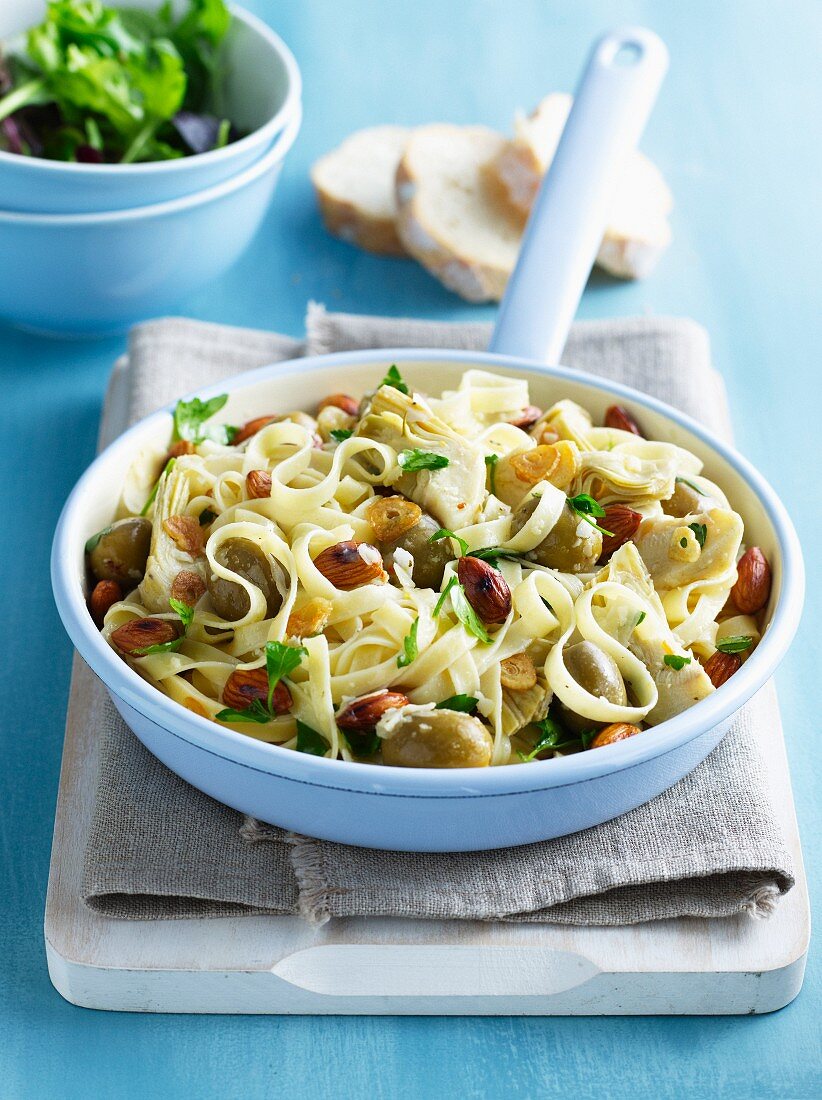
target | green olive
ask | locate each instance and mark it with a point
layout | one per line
(686, 500)
(430, 558)
(598, 674)
(230, 600)
(572, 545)
(438, 739)
(121, 551)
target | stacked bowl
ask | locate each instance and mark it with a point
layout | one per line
(91, 248)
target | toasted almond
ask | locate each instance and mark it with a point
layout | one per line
(186, 533)
(391, 517)
(178, 449)
(517, 673)
(721, 667)
(251, 427)
(349, 564)
(103, 596)
(623, 523)
(258, 484)
(618, 731)
(485, 589)
(188, 587)
(310, 619)
(139, 634)
(617, 416)
(244, 685)
(360, 715)
(527, 418)
(753, 582)
(342, 401)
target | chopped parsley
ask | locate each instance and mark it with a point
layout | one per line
(641, 619)
(190, 417)
(674, 661)
(690, 485)
(310, 741)
(494, 554)
(551, 736)
(491, 462)
(701, 532)
(738, 643)
(444, 533)
(462, 609)
(169, 466)
(92, 542)
(394, 378)
(340, 434)
(587, 508)
(280, 660)
(415, 459)
(466, 704)
(409, 644)
(361, 744)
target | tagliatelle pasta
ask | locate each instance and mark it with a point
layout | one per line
(451, 581)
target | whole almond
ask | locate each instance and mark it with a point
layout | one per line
(349, 564)
(186, 533)
(258, 484)
(623, 523)
(753, 582)
(617, 416)
(617, 731)
(187, 587)
(178, 449)
(244, 685)
(485, 589)
(103, 596)
(342, 401)
(251, 427)
(527, 418)
(517, 673)
(138, 634)
(310, 619)
(360, 715)
(721, 667)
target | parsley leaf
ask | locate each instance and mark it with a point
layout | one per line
(586, 507)
(641, 619)
(551, 736)
(410, 646)
(443, 596)
(416, 459)
(190, 416)
(169, 466)
(738, 643)
(92, 542)
(701, 532)
(255, 713)
(444, 533)
(280, 660)
(310, 741)
(586, 737)
(361, 744)
(463, 703)
(340, 434)
(491, 462)
(494, 554)
(690, 485)
(674, 661)
(184, 610)
(394, 378)
(467, 615)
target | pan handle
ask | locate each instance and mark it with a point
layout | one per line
(611, 107)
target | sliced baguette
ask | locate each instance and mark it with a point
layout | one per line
(453, 215)
(355, 188)
(638, 231)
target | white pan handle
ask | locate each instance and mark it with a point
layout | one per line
(611, 106)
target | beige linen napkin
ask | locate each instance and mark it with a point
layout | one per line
(158, 848)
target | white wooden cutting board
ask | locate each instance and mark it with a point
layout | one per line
(386, 966)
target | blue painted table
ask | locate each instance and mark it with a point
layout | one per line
(736, 133)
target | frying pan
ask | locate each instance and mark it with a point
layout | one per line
(462, 809)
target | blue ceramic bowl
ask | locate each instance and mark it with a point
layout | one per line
(260, 92)
(82, 274)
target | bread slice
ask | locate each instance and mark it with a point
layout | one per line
(638, 231)
(453, 215)
(355, 188)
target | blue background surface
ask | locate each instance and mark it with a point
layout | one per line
(736, 134)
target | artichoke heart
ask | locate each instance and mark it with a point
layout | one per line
(521, 707)
(638, 470)
(453, 494)
(658, 542)
(166, 559)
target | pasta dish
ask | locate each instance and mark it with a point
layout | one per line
(413, 580)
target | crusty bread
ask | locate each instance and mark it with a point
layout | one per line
(355, 188)
(453, 215)
(638, 230)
